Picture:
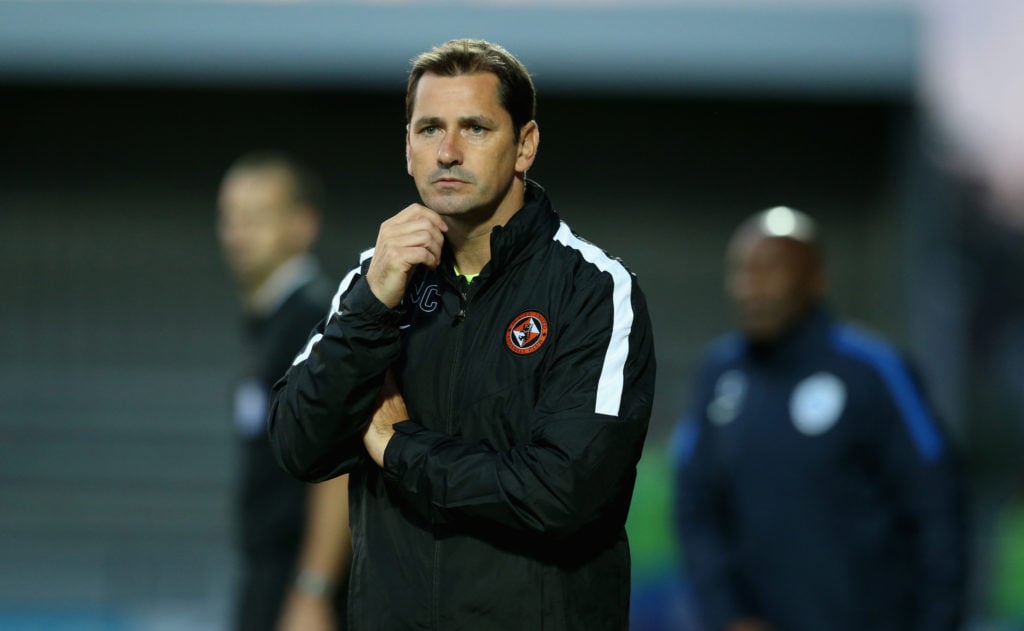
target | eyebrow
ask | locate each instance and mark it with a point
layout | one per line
(464, 121)
(483, 121)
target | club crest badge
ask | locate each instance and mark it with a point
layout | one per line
(730, 391)
(527, 333)
(817, 403)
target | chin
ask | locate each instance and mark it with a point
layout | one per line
(760, 331)
(449, 207)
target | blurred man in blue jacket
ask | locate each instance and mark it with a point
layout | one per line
(814, 488)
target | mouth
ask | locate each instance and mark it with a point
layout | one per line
(451, 176)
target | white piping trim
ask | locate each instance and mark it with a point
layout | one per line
(343, 286)
(611, 382)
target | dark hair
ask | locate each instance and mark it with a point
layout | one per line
(467, 56)
(306, 187)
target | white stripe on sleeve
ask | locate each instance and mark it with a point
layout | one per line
(343, 286)
(610, 384)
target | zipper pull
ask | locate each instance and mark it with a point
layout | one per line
(461, 315)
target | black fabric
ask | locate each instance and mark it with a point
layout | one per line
(502, 501)
(265, 580)
(271, 504)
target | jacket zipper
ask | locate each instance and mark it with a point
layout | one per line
(452, 381)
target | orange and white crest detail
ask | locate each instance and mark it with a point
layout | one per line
(527, 333)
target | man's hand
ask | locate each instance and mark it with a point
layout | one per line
(410, 238)
(307, 612)
(390, 410)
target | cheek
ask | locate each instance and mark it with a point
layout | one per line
(415, 158)
(508, 160)
(262, 240)
(777, 293)
(419, 163)
(786, 298)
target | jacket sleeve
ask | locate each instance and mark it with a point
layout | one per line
(322, 405)
(919, 461)
(701, 513)
(587, 432)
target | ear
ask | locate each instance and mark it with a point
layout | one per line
(408, 152)
(529, 139)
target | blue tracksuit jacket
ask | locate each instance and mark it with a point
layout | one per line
(815, 490)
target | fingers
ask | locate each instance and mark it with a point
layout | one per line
(390, 403)
(413, 237)
(390, 410)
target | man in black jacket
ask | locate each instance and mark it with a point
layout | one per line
(485, 376)
(294, 541)
(815, 488)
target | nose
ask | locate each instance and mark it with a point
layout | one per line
(743, 286)
(449, 153)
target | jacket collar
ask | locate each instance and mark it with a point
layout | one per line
(803, 339)
(526, 232)
(529, 229)
(294, 273)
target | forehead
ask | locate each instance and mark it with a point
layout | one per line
(764, 250)
(460, 95)
(257, 183)
(255, 191)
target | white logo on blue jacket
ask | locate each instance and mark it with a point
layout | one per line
(730, 391)
(817, 403)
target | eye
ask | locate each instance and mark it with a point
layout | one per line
(476, 129)
(429, 130)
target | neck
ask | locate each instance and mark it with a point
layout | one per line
(786, 332)
(470, 251)
(470, 238)
(276, 286)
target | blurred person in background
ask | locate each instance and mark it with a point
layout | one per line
(294, 537)
(814, 488)
(485, 377)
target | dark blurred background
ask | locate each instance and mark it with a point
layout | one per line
(663, 125)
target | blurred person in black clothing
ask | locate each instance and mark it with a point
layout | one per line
(294, 537)
(815, 489)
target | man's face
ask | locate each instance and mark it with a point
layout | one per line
(461, 148)
(772, 282)
(256, 224)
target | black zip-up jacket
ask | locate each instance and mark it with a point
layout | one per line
(502, 501)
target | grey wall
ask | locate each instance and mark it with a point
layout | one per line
(775, 47)
(117, 327)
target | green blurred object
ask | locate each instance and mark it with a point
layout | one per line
(1008, 575)
(651, 540)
